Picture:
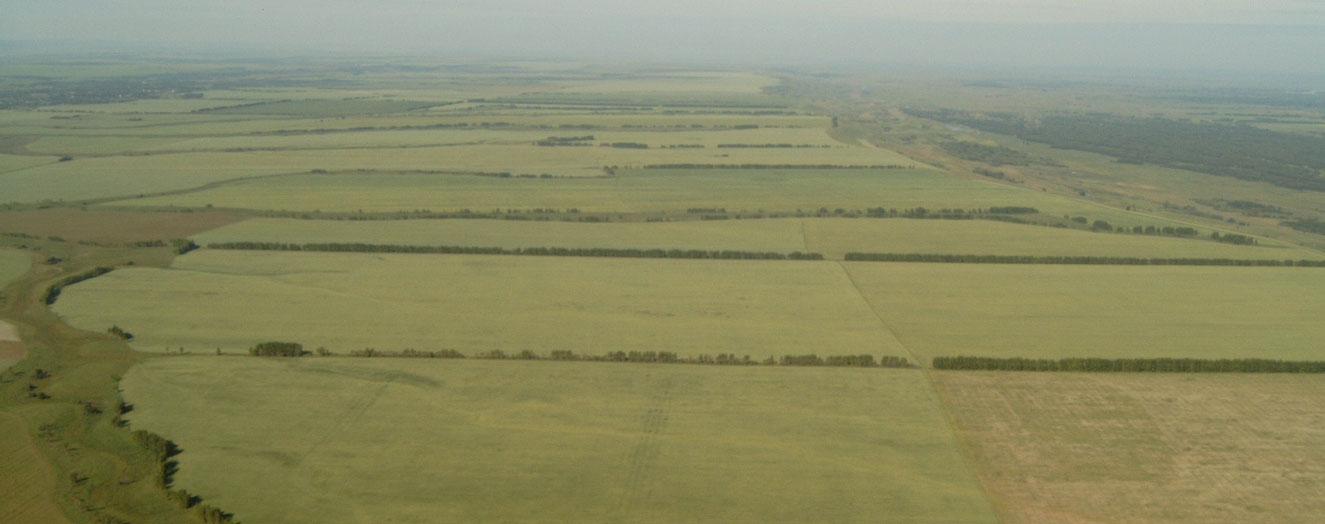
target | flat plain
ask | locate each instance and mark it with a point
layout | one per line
(326, 152)
(487, 441)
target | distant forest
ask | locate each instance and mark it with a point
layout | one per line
(1240, 151)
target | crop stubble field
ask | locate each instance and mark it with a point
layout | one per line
(486, 440)
(1063, 447)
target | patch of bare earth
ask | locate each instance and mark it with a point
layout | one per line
(111, 226)
(1100, 448)
(11, 350)
(27, 483)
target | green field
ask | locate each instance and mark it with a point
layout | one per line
(1144, 448)
(347, 302)
(832, 237)
(480, 441)
(1099, 311)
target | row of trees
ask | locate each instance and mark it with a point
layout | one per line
(53, 291)
(162, 452)
(525, 251)
(654, 357)
(1086, 260)
(1154, 365)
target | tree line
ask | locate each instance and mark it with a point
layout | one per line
(519, 251)
(163, 452)
(1152, 365)
(53, 291)
(1084, 260)
(652, 357)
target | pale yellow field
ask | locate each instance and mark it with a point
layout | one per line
(1144, 448)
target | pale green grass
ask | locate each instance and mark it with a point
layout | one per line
(1144, 448)
(835, 236)
(832, 237)
(13, 264)
(1049, 311)
(211, 125)
(739, 235)
(631, 190)
(350, 440)
(345, 302)
(161, 105)
(416, 138)
(678, 83)
(17, 162)
(127, 176)
(99, 145)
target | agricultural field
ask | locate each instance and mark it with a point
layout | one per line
(1062, 447)
(832, 237)
(1098, 311)
(477, 304)
(556, 442)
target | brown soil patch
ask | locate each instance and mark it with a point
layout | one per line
(1144, 448)
(111, 226)
(27, 483)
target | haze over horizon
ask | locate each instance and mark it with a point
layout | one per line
(1270, 36)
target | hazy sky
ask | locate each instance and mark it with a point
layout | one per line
(1270, 35)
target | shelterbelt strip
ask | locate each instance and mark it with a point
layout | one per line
(755, 255)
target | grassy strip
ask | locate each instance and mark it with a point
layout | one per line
(1082, 260)
(66, 390)
(1152, 365)
(527, 251)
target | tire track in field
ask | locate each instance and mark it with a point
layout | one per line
(966, 448)
(353, 413)
(638, 484)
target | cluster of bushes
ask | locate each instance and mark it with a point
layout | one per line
(1233, 238)
(625, 145)
(1154, 365)
(554, 141)
(657, 357)
(991, 173)
(992, 155)
(1309, 225)
(527, 251)
(1087, 260)
(53, 291)
(278, 349)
